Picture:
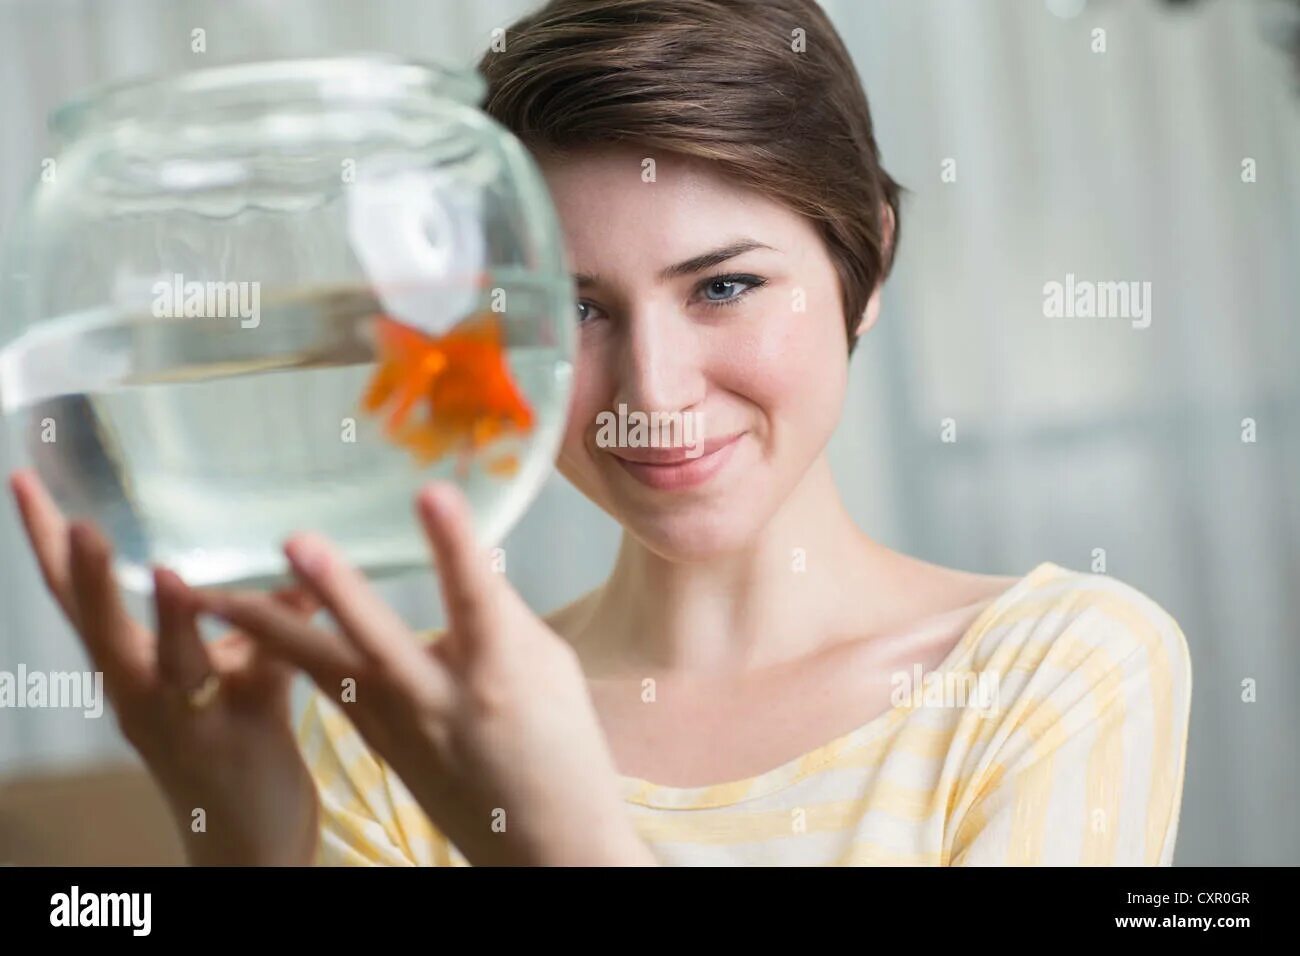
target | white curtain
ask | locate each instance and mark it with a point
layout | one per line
(1077, 434)
(1030, 155)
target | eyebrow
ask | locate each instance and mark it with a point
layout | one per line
(693, 265)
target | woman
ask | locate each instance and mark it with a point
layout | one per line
(757, 681)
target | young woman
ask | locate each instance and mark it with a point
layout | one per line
(757, 681)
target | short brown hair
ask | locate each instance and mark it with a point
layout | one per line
(719, 80)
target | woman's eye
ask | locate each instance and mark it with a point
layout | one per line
(586, 311)
(722, 290)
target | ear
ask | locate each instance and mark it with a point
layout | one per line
(872, 311)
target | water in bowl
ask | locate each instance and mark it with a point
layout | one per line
(202, 443)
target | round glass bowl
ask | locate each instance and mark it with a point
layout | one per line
(273, 297)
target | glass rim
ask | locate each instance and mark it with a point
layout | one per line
(356, 78)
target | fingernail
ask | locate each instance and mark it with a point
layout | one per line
(162, 583)
(435, 499)
(306, 555)
(82, 537)
(429, 502)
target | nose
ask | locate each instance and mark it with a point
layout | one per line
(660, 366)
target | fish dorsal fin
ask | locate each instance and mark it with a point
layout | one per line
(481, 327)
(398, 340)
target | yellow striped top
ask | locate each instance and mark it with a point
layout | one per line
(1054, 733)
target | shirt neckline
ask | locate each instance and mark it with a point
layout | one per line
(646, 793)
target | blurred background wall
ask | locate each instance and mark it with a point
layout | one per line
(1029, 155)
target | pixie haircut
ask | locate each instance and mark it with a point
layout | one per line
(763, 88)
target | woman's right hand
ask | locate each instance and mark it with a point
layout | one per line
(213, 722)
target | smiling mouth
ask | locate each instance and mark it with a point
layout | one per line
(671, 469)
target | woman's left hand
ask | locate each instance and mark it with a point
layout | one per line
(490, 727)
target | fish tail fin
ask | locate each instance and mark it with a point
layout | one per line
(381, 386)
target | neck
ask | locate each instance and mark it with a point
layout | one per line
(776, 599)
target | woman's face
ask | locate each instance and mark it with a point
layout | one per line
(750, 350)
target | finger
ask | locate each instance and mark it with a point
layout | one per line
(375, 628)
(299, 599)
(326, 657)
(183, 661)
(470, 592)
(295, 598)
(111, 637)
(48, 533)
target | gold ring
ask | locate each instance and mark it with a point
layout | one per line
(205, 693)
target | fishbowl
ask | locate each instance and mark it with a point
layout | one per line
(264, 298)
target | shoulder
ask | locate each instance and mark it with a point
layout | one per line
(1081, 755)
(1075, 660)
(1058, 620)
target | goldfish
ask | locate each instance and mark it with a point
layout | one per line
(460, 380)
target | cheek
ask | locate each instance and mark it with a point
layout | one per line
(791, 363)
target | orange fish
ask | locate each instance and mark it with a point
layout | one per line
(462, 383)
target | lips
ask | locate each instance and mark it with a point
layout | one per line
(674, 456)
(670, 469)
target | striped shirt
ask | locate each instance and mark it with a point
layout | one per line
(1053, 733)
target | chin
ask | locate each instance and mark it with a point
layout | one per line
(694, 532)
(719, 516)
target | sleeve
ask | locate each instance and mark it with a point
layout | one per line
(358, 822)
(1085, 766)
